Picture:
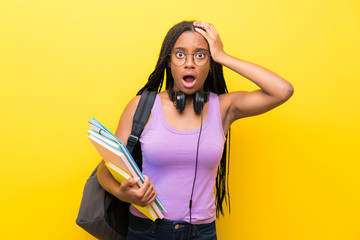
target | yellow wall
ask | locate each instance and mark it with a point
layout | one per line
(294, 171)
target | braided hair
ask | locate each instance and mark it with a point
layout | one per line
(214, 82)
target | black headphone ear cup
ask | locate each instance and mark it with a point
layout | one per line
(180, 101)
(199, 100)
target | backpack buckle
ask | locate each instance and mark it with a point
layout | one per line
(132, 140)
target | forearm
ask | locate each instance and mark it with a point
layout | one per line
(269, 82)
(106, 180)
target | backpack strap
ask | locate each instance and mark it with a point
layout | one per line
(141, 117)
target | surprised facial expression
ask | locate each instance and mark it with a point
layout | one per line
(190, 77)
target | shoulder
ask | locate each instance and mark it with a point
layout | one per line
(132, 105)
(125, 123)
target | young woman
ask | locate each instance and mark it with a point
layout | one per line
(183, 144)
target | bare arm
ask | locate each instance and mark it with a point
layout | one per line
(126, 191)
(274, 90)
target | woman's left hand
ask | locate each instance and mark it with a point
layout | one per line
(213, 38)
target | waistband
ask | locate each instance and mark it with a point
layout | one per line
(175, 226)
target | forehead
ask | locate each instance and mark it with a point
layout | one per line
(191, 41)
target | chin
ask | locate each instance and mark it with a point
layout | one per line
(191, 91)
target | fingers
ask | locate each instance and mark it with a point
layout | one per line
(130, 182)
(147, 192)
(202, 24)
(207, 30)
(201, 28)
(208, 27)
(140, 196)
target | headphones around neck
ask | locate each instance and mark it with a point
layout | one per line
(200, 98)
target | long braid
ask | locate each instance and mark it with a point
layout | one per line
(222, 178)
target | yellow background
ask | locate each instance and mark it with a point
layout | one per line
(294, 171)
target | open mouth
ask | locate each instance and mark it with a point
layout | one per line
(189, 80)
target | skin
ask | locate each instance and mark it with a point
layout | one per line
(274, 90)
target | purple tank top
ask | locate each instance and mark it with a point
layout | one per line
(169, 157)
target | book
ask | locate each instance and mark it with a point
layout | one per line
(113, 150)
(109, 154)
(121, 176)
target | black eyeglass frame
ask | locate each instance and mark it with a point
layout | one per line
(193, 58)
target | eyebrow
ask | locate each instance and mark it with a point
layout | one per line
(196, 50)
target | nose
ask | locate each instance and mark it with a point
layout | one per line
(189, 62)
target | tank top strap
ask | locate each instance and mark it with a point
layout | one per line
(157, 107)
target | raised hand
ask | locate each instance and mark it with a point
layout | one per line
(213, 39)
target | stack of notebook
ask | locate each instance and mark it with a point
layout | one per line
(120, 163)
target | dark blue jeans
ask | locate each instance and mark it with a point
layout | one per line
(146, 229)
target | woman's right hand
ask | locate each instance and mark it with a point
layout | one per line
(128, 191)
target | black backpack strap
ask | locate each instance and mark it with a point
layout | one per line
(141, 117)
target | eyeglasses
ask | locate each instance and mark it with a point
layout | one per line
(179, 58)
